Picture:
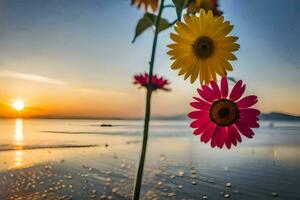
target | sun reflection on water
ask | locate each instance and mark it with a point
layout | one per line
(19, 137)
(18, 161)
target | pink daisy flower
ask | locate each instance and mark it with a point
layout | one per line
(221, 118)
(157, 82)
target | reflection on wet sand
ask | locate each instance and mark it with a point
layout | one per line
(18, 159)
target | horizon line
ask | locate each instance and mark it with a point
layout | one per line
(166, 117)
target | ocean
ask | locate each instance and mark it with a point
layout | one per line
(80, 159)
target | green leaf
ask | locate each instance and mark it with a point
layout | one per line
(232, 79)
(180, 5)
(163, 24)
(143, 24)
(147, 21)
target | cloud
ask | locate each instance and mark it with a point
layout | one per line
(100, 91)
(43, 79)
(30, 77)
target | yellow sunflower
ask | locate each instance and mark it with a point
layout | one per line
(146, 3)
(202, 47)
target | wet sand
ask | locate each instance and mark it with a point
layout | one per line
(105, 173)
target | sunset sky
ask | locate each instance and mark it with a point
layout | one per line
(75, 58)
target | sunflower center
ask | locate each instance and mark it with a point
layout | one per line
(224, 112)
(203, 47)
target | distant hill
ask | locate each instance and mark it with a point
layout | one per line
(275, 116)
(173, 117)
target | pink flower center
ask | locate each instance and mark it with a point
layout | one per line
(224, 112)
(203, 47)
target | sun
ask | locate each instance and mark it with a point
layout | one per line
(18, 105)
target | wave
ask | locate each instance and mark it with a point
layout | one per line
(11, 147)
(154, 133)
(7, 147)
(93, 133)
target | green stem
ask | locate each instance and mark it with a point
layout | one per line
(155, 41)
(139, 176)
(169, 6)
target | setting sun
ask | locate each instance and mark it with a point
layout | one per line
(18, 105)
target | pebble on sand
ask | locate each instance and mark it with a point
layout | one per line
(172, 176)
(114, 190)
(180, 173)
(274, 194)
(226, 195)
(171, 194)
(228, 184)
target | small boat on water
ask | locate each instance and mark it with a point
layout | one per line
(106, 125)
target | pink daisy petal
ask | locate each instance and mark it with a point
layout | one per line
(237, 86)
(249, 112)
(227, 138)
(206, 136)
(197, 99)
(250, 123)
(244, 129)
(250, 118)
(201, 105)
(216, 89)
(224, 87)
(198, 114)
(237, 91)
(240, 93)
(247, 101)
(215, 137)
(232, 138)
(208, 90)
(223, 136)
(213, 142)
(237, 135)
(228, 143)
(206, 94)
(234, 134)
(200, 121)
(201, 129)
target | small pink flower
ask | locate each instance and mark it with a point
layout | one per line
(157, 82)
(222, 119)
